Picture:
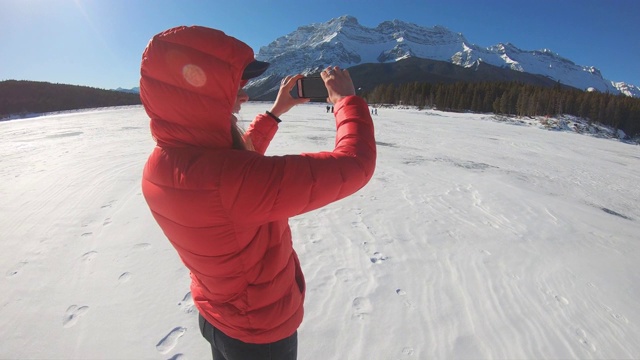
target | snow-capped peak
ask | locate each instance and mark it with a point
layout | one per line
(343, 41)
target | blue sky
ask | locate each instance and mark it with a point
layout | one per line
(99, 42)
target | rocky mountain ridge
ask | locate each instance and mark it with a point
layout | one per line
(344, 42)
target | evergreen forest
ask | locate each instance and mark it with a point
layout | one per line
(20, 97)
(515, 98)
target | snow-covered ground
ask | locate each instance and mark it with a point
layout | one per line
(474, 239)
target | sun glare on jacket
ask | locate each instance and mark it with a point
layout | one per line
(194, 75)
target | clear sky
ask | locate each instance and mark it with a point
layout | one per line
(99, 42)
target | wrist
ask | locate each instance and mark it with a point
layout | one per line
(273, 116)
(274, 110)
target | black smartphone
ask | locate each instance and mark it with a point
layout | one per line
(312, 87)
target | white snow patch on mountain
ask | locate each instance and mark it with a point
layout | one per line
(344, 42)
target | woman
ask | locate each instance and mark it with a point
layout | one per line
(222, 203)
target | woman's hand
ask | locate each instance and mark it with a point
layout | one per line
(338, 83)
(284, 102)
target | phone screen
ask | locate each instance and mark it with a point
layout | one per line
(312, 87)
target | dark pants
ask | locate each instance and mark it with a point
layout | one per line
(224, 347)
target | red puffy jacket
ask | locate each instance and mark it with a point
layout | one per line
(226, 211)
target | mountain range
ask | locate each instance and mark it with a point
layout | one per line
(135, 90)
(425, 53)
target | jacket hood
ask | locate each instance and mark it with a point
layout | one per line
(188, 86)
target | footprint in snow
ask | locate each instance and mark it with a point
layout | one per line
(171, 340)
(582, 338)
(562, 300)
(124, 277)
(89, 256)
(108, 205)
(361, 307)
(378, 258)
(187, 305)
(614, 315)
(345, 274)
(407, 351)
(406, 302)
(142, 246)
(72, 315)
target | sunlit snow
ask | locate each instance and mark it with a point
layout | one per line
(474, 239)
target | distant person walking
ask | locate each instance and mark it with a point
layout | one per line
(222, 203)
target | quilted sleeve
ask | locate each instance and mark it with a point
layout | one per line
(261, 131)
(259, 189)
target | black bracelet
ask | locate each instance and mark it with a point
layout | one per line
(277, 119)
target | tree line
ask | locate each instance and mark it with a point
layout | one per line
(25, 97)
(515, 98)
